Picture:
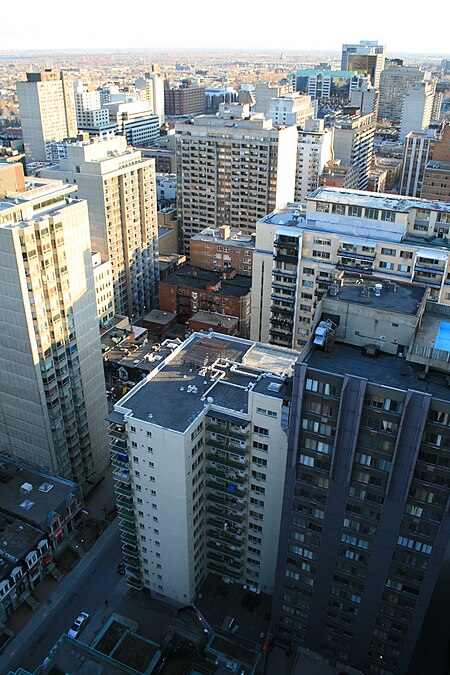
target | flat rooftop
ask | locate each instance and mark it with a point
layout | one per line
(213, 319)
(236, 238)
(210, 371)
(375, 200)
(41, 501)
(394, 297)
(194, 277)
(384, 369)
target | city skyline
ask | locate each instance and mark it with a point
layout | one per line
(38, 30)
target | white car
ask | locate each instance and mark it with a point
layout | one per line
(78, 625)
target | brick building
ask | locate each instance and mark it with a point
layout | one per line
(190, 290)
(219, 249)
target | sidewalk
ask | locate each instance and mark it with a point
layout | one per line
(60, 595)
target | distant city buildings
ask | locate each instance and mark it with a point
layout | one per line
(325, 85)
(47, 112)
(293, 108)
(367, 58)
(52, 394)
(135, 121)
(417, 107)
(425, 163)
(184, 99)
(119, 186)
(255, 163)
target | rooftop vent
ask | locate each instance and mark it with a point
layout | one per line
(45, 487)
(274, 386)
(27, 504)
(25, 488)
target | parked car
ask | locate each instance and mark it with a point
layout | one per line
(78, 625)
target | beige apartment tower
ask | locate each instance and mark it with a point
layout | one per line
(47, 112)
(232, 168)
(52, 389)
(119, 187)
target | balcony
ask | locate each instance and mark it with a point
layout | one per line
(282, 257)
(119, 461)
(220, 535)
(285, 273)
(239, 451)
(128, 538)
(118, 444)
(126, 515)
(215, 546)
(122, 476)
(123, 490)
(226, 461)
(134, 582)
(283, 311)
(226, 475)
(237, 517)
(114, 432)
(218, 569)
(229, 488)
(126, 525)
(224, 431)
(226, 560)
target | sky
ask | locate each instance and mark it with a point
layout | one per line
(402, 25)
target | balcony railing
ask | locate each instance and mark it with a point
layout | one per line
(226, 461)
(230, 476)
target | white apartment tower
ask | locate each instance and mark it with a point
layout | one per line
(119, 187)
(52, 389)
(232, 168)
(417, 107)
(353, 143)
(417, 151)
(314, 150)
(342, 233)
(90, 114)
(201, 490)
(47, 112)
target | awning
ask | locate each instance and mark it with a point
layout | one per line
(358, 242)
(433, 255)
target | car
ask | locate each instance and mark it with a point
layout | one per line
(78, 625)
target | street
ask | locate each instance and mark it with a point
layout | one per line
(86, 588)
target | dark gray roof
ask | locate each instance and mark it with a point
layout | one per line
(406, 299)
(384, 369)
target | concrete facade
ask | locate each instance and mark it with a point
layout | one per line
(254, 161)
(119, 187)
(52, 394)
(202, 491)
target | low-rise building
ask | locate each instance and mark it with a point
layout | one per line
(223, 248)
(191, 289)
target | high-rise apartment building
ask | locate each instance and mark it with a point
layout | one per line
(353, 143)
(119, 187)
(232, 168)
(394, 82)
(201, 490)
(417, 151)
(436, 178)
(417, 107)
(367, 58)
(366, 98)
(299, 253)
(52, 393)
(293, 108)
(365, 525)
(314, 150)
(47, 112)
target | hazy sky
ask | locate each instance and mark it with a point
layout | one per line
(403, 25)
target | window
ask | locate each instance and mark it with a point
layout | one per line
(372, 214)
(134, 444)
(259, 460)
(322, 207)
(149, 434)
(338, 209)
(135, 459)
(355, 211)
(388, 251)
(133, 430)
(388, 216)
(260, 430)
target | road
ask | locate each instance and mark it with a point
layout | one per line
(86, 588)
